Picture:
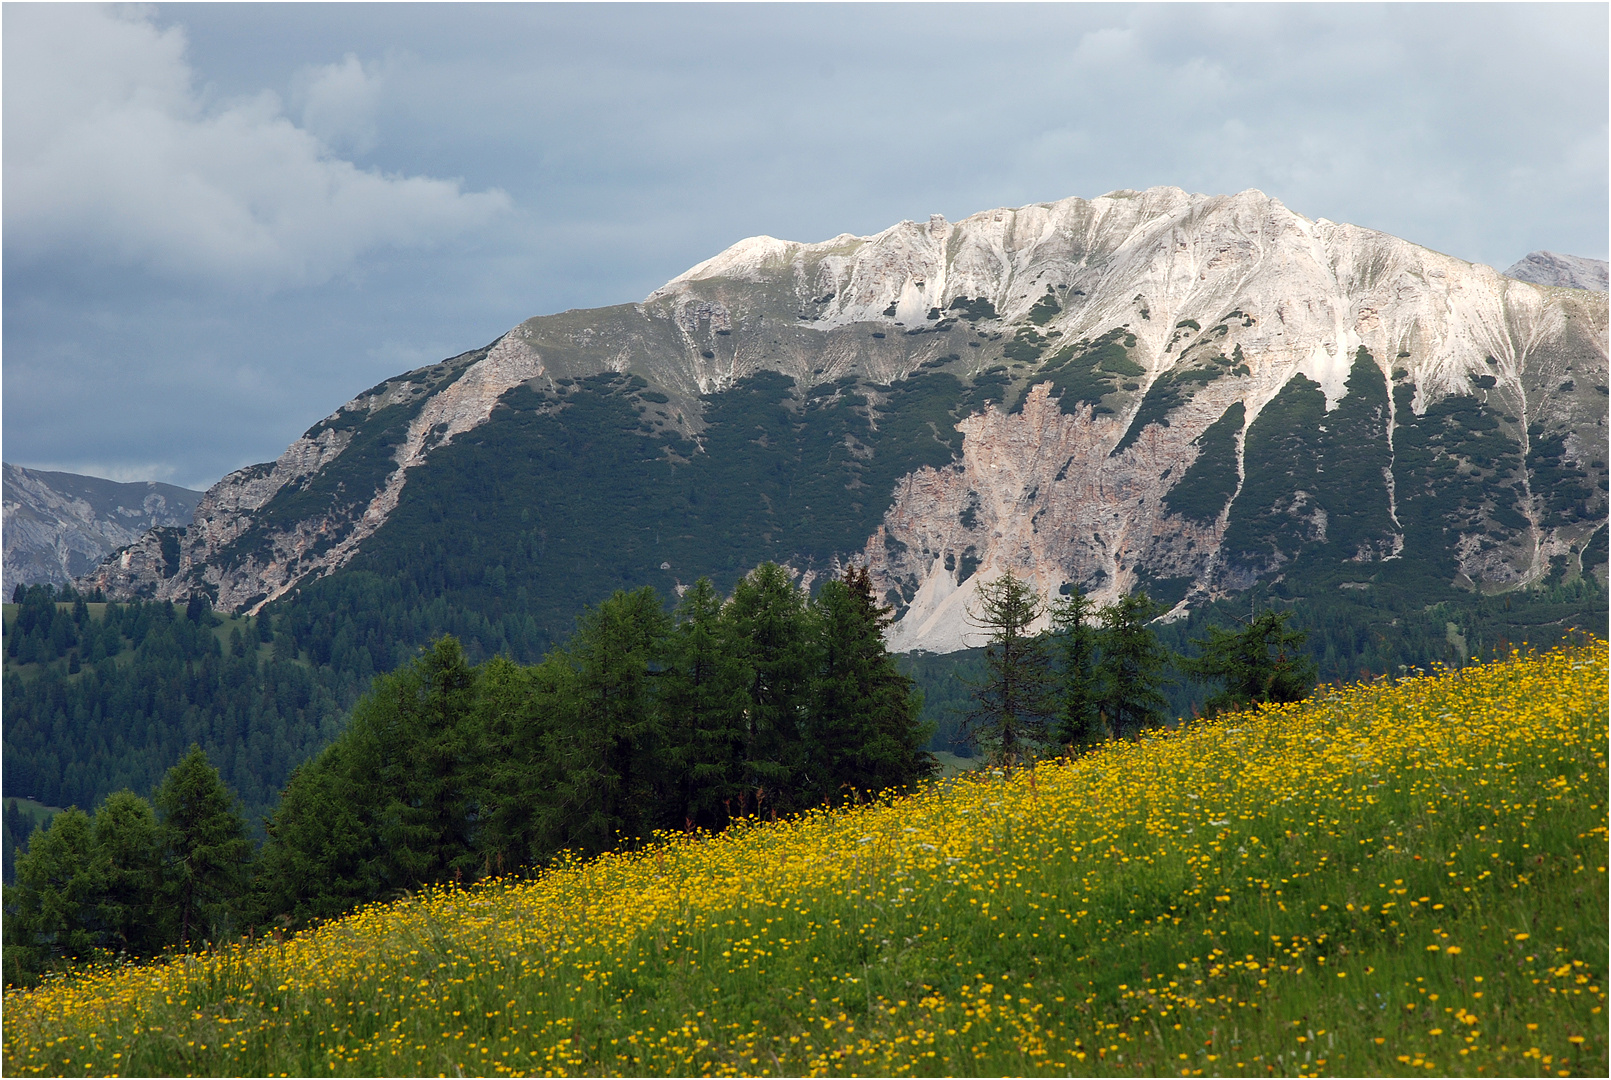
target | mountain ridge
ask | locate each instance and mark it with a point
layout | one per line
(1562, 271)
(60, 525)
(1086, 321)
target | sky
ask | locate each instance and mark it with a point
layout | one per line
(223, 221)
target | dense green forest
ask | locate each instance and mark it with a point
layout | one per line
(644, 720)
(100, 697)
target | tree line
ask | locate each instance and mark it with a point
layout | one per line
(1099, 673)
(761, 704)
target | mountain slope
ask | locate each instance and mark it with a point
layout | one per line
(1562, 271)
(1197, 394)
(60, 525)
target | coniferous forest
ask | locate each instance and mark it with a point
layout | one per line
(646, 721)
(761, 704)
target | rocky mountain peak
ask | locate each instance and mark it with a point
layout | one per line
(1562, 271)
(1120, 377)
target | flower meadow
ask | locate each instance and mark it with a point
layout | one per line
(1397, 878)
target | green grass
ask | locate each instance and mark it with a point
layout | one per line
(952, 765)
(38, 811)
(1386, 879)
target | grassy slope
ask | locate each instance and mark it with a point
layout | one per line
(1385, 879)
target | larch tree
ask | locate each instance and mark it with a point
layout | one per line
(1262, 662)
(765, 629)
(126, 868)
(1132, 665)
(703, 698)
(1074, 623)
(1017, 696)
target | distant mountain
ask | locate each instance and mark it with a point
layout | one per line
(1196, 394)
(1562, 271)
(61, 525)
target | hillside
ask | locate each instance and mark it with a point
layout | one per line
(101, 697)
(1196, 394)
(60, 525)
(1562, 271)
(1388, 877)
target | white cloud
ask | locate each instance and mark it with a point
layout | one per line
(113, 157)
(339, 102)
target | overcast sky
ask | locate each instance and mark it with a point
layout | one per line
(221, 222)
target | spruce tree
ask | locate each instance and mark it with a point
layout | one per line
(702, 699)
(1262, 662)
(205, 851)
(1132, 665)
(864, 734)
(1079, 723)
(1017, 696)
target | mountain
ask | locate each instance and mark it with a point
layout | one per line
(1201, 395)
(1562, 271)
(60, 525)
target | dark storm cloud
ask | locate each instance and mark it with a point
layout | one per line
(296, 201)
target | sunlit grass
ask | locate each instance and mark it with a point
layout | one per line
(1386, 879)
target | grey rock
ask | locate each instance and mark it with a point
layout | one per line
(1562, 271)
(61, 525)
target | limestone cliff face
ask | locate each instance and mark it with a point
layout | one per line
(1039, 494)
(1291, 298)
(1191, 393)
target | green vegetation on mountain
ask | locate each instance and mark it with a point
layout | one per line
(1317, 481)
(103, 697)
(496, 538)
(1087, 371)
(1209, 482)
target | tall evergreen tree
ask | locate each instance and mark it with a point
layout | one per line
(1079, 722)
(126, 876)
(612, 726)
(50, 912)
(322, 853)
(418, 730)
(205, 849)
(1132, 665)
(864, 734)
(518, 711)
(1017, 696)
(1264, 661)
(703, 695)
(765, 625)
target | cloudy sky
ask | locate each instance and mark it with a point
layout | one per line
(221, 222)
